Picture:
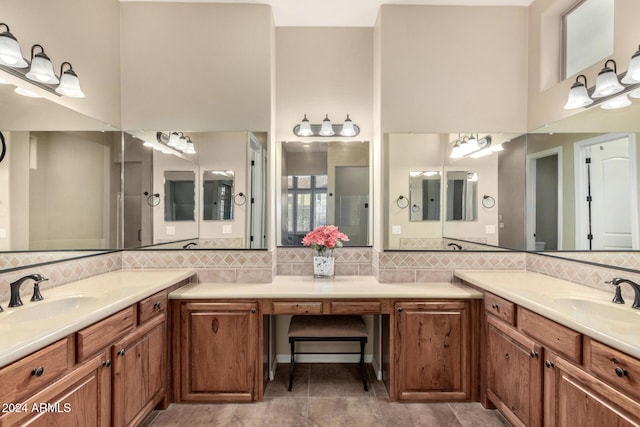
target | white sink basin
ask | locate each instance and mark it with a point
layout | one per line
(601, 313)
(46, 309)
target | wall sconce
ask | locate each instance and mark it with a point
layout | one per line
(609, 92)
(39, 71)
(326, 129)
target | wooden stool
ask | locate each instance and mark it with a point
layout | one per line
(328, 328)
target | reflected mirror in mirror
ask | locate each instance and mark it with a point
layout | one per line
(217, 195)
(325, 183)
(179, 196)
(424, 195)
(462, 196)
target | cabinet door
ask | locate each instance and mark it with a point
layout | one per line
(514, 374)
(220, 348)
(138, 372)
(432, 351)
(583, 400)
(81, 398)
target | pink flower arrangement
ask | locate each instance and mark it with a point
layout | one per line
(325, 237)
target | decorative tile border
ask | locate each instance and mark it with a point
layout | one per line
(437, 266)
(298, 261)
(620, 259)
(9, 260)
(61, 273)
(211, 265)
(579, 272)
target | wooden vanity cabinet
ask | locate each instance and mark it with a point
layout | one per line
(433, 351)
(514, 374)
(139, 375)
(220, 345)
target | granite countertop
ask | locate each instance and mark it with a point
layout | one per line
(68, 308)
(290, 287)
(581, 308)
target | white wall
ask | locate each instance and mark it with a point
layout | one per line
(84, 33)
(196, 66)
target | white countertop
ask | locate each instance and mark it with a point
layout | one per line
(584, 309)
(339, 287)
(35, 325)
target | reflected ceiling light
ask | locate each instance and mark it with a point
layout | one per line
(326, 129)
(457, 152)
(174, 143)
(10, 54)
(190, 148)
(578, 95)
(607, 82)
(472, 146)
(41, 69)
(614, 103)
(26, 92)
(69, 82)
(633, 71)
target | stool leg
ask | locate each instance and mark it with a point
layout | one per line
(362, 366)
(292, 341)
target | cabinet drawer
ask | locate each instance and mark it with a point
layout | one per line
(96, 337)
(356, 307)
(501, 308)
(616, 368)
(556, 337)
(152, 306)
(30, 374)
(297, 307)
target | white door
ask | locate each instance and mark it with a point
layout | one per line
(607, 196)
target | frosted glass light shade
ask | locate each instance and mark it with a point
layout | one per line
(26, 92)
(578, 96)
(617, 102)
(42, 70)
(174, 139)
(10, 54)
(182, 144)
(190, 149)
(305, 127)
(635, 93)
(456, 152)
(70, 85)
(326, 129)
(607, 82)
(633, 72)
(347, 128)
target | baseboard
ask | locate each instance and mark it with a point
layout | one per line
(376, 368)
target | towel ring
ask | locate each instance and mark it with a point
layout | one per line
(239, 199)
(152, 199)
(3, 147)
(402, 202)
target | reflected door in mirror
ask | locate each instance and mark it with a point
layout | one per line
(462, 196)
(424, 194)
(179, 197)
(217, 195)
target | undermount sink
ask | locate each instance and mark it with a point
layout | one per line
(45, 309)
(601, 313)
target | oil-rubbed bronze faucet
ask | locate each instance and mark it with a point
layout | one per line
(617, 299)
(15, 300)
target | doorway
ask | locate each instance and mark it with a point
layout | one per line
(544, 200)
(352, 203)
(606, 195)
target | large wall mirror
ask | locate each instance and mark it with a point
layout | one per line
(582, 186)
(325, 183)
(215, 198)
(449, 196)
(59, 182)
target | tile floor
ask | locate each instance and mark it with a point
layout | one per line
(326, 395)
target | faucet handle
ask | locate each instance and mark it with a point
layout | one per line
(37, 296)
(617, 298)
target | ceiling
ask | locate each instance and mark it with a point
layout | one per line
(341, 13)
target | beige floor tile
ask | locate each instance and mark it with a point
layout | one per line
(195, 415)
(344, 411)
(472, 414)
(277, 412)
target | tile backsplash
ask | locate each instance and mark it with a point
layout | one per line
(237, 266)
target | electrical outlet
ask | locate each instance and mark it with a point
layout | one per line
(227, 229)
(171, 230)
(396, 229)
(3, 233)
(490, 229)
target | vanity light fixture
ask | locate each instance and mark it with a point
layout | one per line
(326, 129)
(578, 95)
(10, 54)
(41, 69)
(189, 149)
(471, 146)
(69, 82)
(175, 141)
(607, 82)
(608, 92)
(633, 72)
